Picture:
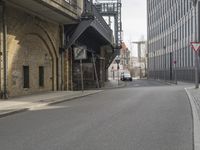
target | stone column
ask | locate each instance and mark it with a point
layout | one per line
(68, 83)
(4, 50)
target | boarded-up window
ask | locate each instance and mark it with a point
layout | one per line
(41, 76)
(26, 76)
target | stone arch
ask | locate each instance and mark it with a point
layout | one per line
(49, 38)
(30, 51)
(54, 49)
(40, 28)
(50, 52)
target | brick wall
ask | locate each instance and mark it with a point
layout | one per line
(31, 42)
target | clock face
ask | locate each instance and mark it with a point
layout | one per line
(80, 53)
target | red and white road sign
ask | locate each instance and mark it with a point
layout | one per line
(195, 46)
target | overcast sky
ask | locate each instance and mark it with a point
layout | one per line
(134, 22)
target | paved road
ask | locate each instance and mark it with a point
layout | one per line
(143, 118)
(143, 83)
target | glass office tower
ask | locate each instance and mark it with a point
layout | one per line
(170, 30)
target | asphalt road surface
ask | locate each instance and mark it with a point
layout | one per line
(151, 116)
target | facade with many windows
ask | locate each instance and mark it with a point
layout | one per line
(171, 28)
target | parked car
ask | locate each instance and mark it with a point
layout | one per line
(126, 77)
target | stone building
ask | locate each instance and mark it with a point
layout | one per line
(34, 52)
(125, 56)
(124, 65)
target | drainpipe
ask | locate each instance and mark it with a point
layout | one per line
(4, 27)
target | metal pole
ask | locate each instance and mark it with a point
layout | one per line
(95, 71)
(118, 74)
(71, 69)
(139, 58)
(175, 75)
(196, 70)
(154, 65)
(81, 66)
(165, 62)
(196, 52)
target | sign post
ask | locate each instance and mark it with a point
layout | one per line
(175, 73)
(80, 53)
(81, 66)
(117, 60)
(95, 70)
(196, 47)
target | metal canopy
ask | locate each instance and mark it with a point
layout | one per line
(91, 20)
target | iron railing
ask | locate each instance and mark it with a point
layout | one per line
(99, 23)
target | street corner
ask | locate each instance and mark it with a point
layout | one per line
(194, 99)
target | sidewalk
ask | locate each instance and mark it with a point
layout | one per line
(194, 97)
(24, 103)
(30, 102)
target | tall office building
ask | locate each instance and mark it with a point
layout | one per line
(171, 28)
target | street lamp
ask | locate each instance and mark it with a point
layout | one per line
(154, 65)
(117, 60)
(174, 62)
(164, 47)
(194, 2)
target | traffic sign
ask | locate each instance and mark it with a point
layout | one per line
(80, 53)
(195, 46)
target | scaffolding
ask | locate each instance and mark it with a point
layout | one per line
(112, 9)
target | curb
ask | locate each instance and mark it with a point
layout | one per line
(13, 112)
(71, 98)
(196, 121)
(62, 99)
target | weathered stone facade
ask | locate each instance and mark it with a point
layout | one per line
(34, 52)
(31, 42)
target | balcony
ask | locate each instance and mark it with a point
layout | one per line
(61, 11)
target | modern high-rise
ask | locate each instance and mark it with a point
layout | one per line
(171, 29)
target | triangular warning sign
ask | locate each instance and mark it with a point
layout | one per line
(195, 46)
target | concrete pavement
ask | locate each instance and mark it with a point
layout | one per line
(24, 103)
(32, 102)
(141, 118)
(114, 84)
(20, 104)
(194, 97)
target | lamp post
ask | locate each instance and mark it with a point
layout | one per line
(174, 62)
(154, 65)
(117, 60)
(164, 47)
(194, 2)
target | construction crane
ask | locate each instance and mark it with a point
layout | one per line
(139, 44)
